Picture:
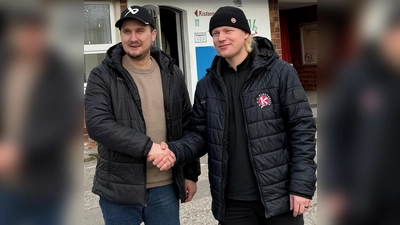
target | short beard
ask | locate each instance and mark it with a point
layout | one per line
(140, 55)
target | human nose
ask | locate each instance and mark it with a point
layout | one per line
(221, 37)
(133, 37)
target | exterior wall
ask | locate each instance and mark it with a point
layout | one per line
(275, 26)
(199, 54)
(307, 74)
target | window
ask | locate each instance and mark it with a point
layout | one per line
(91, 61)
(98, 26)
(100, 34)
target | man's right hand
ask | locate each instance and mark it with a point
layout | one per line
(163, 158)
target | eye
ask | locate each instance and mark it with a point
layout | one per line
(126, 31)
(214, 34)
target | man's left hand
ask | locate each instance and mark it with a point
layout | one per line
(191, 189)
(299, 204)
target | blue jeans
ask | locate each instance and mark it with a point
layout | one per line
(162, 208)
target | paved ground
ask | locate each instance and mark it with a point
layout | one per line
(197, 212)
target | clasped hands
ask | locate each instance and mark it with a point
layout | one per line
(161, 156)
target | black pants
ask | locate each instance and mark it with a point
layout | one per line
(253, 213)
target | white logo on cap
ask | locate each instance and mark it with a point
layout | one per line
(233, 20)
(133, 11)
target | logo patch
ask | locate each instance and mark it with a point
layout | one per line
(133, 11)
(233, 20)
(263, 100)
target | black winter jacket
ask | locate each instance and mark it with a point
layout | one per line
(114, 119)
(281, 135)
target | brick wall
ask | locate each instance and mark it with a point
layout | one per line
(123, 4)
(307, 74)
(275, 26)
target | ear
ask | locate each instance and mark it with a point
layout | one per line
(246, 36)
(154, 35)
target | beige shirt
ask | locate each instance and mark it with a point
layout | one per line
(148, 82)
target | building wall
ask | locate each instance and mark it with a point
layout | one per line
(199, 55)
(307, 74)
(275, 26)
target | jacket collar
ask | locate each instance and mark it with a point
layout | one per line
(114, 57)
(263, 55)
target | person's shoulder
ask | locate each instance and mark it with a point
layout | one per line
(178, 73)
(205, 84)
(282, 66)
(206, 80)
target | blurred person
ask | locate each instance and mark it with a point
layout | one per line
(251, 115)
(38, 120)
(135, 99)
(360, 128)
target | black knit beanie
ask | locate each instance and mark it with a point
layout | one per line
(229, 16)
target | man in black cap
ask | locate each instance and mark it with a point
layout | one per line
(129, 109)
(251, 115)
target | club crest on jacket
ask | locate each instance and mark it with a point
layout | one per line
(263, 100)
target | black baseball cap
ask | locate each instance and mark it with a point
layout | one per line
(136, 12)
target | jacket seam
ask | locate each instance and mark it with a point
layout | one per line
(270, 185)
(267, 136)
(296, 103)
(273, 167)
(264, 120)
(310, 117)
(281, 149)
(300, 180)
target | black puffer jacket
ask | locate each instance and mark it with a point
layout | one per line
(281, 135)
(114, 119)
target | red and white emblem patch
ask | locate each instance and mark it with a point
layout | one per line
(263, 100)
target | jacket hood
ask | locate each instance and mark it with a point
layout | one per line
(114, 57)
(263, 54)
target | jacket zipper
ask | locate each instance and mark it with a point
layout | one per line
(224, 148)
(167, 99)
(248, 141)
(131, 86)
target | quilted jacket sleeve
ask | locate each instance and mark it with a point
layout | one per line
(102, 126)
(192, 169)
(300, 128)
(192, 145)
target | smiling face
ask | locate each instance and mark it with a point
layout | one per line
(136, 38)
(229, 42)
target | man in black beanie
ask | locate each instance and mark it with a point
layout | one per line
(251, 115)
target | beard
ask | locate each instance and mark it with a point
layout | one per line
(139, 55)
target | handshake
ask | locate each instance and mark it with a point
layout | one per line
(161, 156)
